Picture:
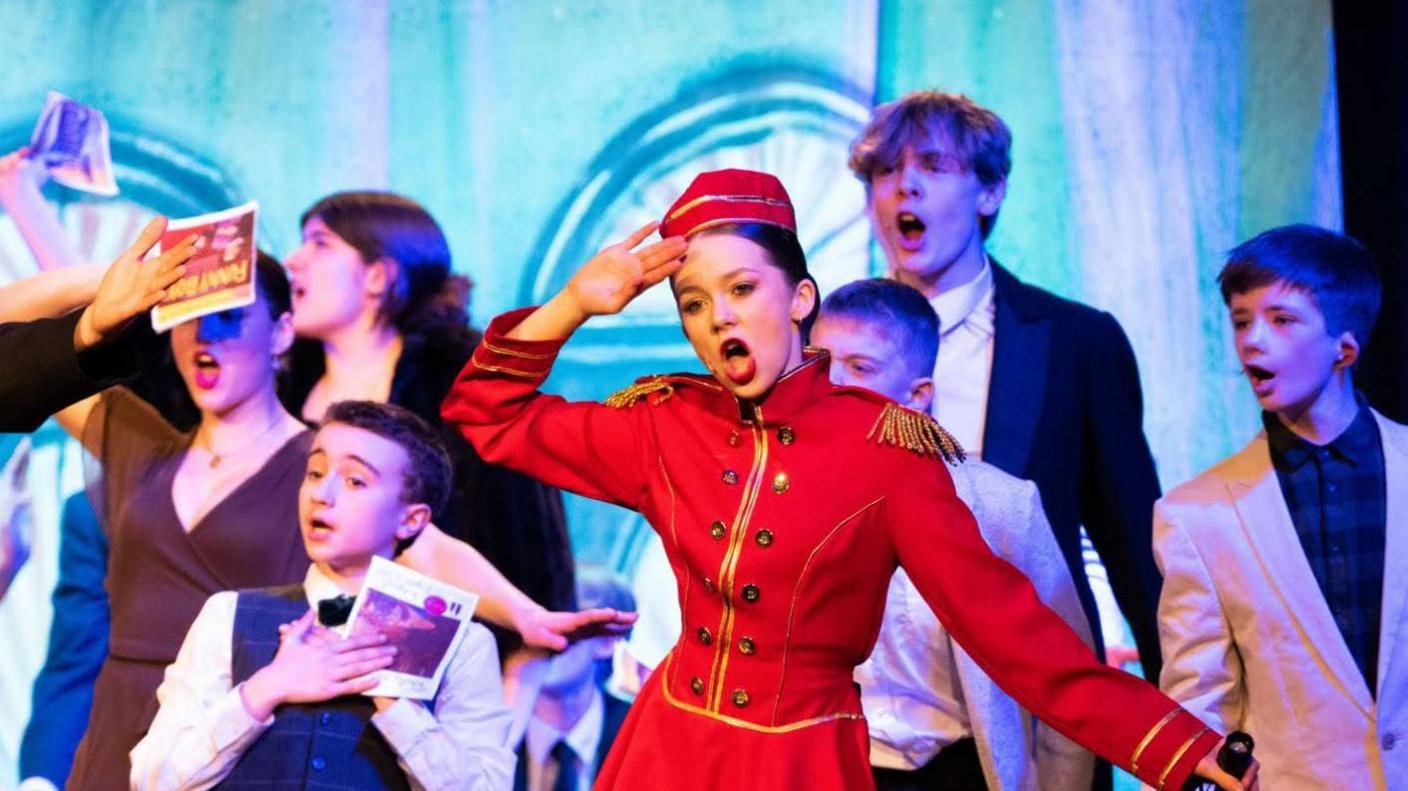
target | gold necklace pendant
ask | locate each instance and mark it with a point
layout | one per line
(216, 458)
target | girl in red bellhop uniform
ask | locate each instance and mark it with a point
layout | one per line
(784, 504)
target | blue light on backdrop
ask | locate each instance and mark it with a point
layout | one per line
(1149, 137)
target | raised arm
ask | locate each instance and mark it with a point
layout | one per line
(457, 563)
(604, 286)
(70, 370)
(586, 448)
(993, 612)
(20, 181)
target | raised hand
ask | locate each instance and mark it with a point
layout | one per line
(313, 665)
(604, 285)
(619, 273)
(132, 286)
(541, 628)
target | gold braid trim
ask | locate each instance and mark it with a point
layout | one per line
(916, 431)
(628, 397)
(1149, 737)
(1178, 756)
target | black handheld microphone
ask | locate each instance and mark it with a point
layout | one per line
(1234, 758)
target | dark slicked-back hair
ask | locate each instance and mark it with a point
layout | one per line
(980, 139)
(427, 478)
(784, 251)
(901, 311)
(386, 225)
(1334, 269)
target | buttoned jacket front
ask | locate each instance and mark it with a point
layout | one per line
(784, 520)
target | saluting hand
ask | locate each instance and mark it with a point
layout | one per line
(604, 285)
(132, 286)
(619, 273)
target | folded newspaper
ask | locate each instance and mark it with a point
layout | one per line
(424, 618)
(71, 142)
(220, 275)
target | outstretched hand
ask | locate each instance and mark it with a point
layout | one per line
(541, 628)
(619, 273)
(132, 286)
(1208, 769)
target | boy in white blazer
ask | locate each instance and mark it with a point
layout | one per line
(1286, 565)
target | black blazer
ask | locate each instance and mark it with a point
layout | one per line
(613, 716)
(43, 373)
(1065, 411)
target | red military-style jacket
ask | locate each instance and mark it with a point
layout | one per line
(784, 520)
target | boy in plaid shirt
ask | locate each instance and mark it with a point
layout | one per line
(1284, 565)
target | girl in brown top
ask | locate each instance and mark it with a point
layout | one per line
(190, 513)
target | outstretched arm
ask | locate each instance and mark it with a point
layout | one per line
(1031, 653)
(495, 403)
(450, 560)
(130, 287)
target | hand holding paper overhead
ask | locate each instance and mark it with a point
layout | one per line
(71, 141)
(22, 180)
(132, 286)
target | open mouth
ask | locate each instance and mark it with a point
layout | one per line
(911, 230)
(1261, 378)
(207, 370)
(738, 363)
(318, 529)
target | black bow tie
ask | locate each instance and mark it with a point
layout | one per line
(334, 611)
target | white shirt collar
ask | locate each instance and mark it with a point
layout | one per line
(959, 304)
(584, 737)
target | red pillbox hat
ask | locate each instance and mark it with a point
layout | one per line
(729, 196)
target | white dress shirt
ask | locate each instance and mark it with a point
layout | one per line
(963, 371)
(910, 687)
(913, 701)
(202, 727)
(584, 738)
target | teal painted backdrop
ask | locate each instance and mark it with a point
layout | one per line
(1150, 136)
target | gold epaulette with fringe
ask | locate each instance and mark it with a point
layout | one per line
(916, 431)
(628, 397)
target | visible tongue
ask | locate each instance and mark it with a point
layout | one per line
(740, 368)
(207, 377)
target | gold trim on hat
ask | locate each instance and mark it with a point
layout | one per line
(704, 226)
(735, 198)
